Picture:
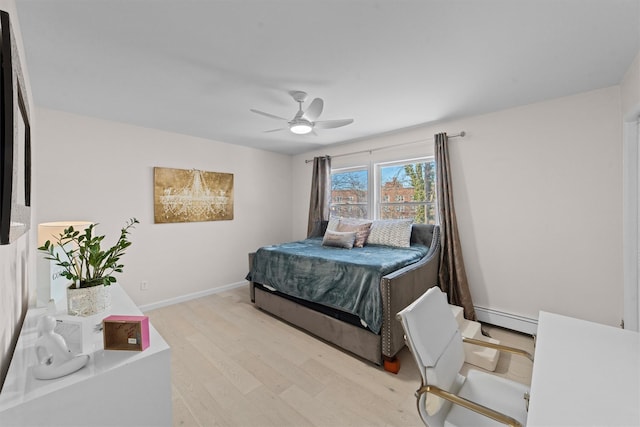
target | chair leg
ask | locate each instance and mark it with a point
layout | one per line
(391, 364)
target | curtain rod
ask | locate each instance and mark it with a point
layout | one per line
(457, 135)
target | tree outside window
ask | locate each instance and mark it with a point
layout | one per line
(349, 193)
(412, 186)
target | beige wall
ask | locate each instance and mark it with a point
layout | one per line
(102, 171)
(538, 193)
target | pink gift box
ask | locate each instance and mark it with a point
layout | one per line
(125, 332)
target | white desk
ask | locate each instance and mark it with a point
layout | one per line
(584, 374)
(116, 388)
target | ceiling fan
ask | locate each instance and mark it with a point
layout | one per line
(305, 121)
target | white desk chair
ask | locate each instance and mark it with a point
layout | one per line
(445, 397)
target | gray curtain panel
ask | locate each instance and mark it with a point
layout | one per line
(452, 276)
(320, 195)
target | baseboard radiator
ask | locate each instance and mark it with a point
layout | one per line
(507, 320)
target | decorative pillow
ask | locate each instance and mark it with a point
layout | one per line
(391, 232)
(361, 228)
(339, 239)
(333, 223)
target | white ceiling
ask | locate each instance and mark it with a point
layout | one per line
(197, 67)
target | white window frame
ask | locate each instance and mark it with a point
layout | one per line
(374, 176)
(378, 204)
(360, 167)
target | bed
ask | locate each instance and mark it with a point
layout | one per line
(366, 326)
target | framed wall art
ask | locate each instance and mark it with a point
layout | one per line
(15, 140)
(190, 195)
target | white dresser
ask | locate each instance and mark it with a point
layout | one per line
(115, 388)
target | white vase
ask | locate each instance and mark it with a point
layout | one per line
(88, 301)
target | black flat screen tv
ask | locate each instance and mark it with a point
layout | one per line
(15, 141)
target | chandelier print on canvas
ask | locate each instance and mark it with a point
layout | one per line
(190, 195)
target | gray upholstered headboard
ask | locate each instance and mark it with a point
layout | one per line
(319, 229)
(422, 233)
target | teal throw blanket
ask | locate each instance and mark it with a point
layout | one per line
(346, 279)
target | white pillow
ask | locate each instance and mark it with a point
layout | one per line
(333, 223)
(391, 232)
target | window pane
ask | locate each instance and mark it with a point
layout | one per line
(407, 190)
(349, 193)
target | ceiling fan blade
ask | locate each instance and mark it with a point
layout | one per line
(262, 113)
(329, 124)
(314, 110)
(274, 130)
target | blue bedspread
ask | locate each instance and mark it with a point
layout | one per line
(346, 279)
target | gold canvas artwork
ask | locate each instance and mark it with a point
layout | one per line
(190, 195)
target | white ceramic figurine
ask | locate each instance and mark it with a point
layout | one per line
(55, 360)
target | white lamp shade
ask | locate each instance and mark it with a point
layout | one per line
(52, 230)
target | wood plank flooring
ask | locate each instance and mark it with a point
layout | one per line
(235, 365)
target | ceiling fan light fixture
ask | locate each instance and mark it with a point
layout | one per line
(300, 127)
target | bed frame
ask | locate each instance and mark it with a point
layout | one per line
(398, 289)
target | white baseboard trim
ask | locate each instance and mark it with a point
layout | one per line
(507, 320)
(188, 297)
(486, 315)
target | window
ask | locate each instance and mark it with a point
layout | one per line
(350, 192)
(404, 189)
(411, 184)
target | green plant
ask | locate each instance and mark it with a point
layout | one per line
(84, 262)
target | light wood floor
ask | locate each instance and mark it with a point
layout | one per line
(234, 365)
